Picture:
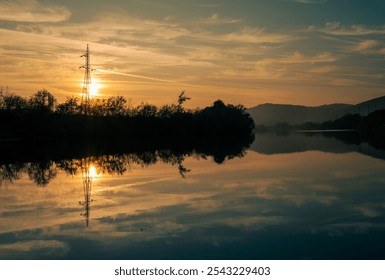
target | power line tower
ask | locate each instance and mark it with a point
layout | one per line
(85, 104)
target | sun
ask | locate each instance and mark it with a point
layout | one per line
(95, 86)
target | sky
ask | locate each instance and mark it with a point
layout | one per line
(249, 52)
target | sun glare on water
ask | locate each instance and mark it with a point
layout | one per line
(92, 171)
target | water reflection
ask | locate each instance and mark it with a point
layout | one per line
(88, 174)
(43, 172)
(282, 202)
(329, 142)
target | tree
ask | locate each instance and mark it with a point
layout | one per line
(116, 106)
(146, 110)
(167, 111)
(98, 107)
(71, 106)
(43, 101)
(12, 102)
(181, 99)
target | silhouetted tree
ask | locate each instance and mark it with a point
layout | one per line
(181, 99)
(12, 102)
(42, 101)
(146, 110)
(167, 111)
(116, 106)
(69, 107)
(98, 107)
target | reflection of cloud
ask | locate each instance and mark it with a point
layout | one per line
(32, 11)
(27, 249)
(258, 194)
(310, 1)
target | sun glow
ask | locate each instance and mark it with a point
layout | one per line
(93, 172)
(95, 86)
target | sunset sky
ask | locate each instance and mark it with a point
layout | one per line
(308, 52)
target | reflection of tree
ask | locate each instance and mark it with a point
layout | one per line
(183, 170)
(111, 164)
(42, 172)
(10, 172)
(71, 167)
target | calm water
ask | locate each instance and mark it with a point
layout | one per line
(290, 197)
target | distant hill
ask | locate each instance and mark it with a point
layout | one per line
(271, 114)
(367, 107)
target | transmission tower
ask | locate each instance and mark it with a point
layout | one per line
(87, 82)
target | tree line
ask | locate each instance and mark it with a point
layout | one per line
(45, 102)
(44, 108)
(39, 126)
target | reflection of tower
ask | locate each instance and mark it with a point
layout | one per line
(86, 83)
(87, 186)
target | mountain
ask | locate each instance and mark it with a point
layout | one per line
(367, 107)
(271, 114)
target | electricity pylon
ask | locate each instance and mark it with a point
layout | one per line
(85, 104)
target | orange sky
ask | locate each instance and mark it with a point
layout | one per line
(250, 52)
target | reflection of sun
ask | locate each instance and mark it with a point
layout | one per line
(95, 86)
(92, 171)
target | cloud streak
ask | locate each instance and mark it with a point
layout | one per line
(336, 28)
(32, 11)
(137, 76)
(224, 51)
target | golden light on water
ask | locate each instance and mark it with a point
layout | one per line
(92, 171)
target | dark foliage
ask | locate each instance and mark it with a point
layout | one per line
(372, 129)
(110, 119)
(45, 135)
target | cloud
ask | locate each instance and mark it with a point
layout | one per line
(368, 47)
(323, 69)
(298, 58)
(255, 35)
(32, 11)
(210, 51)
(335, 28)
(365, 45)
(217, 20)
(310, 1)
